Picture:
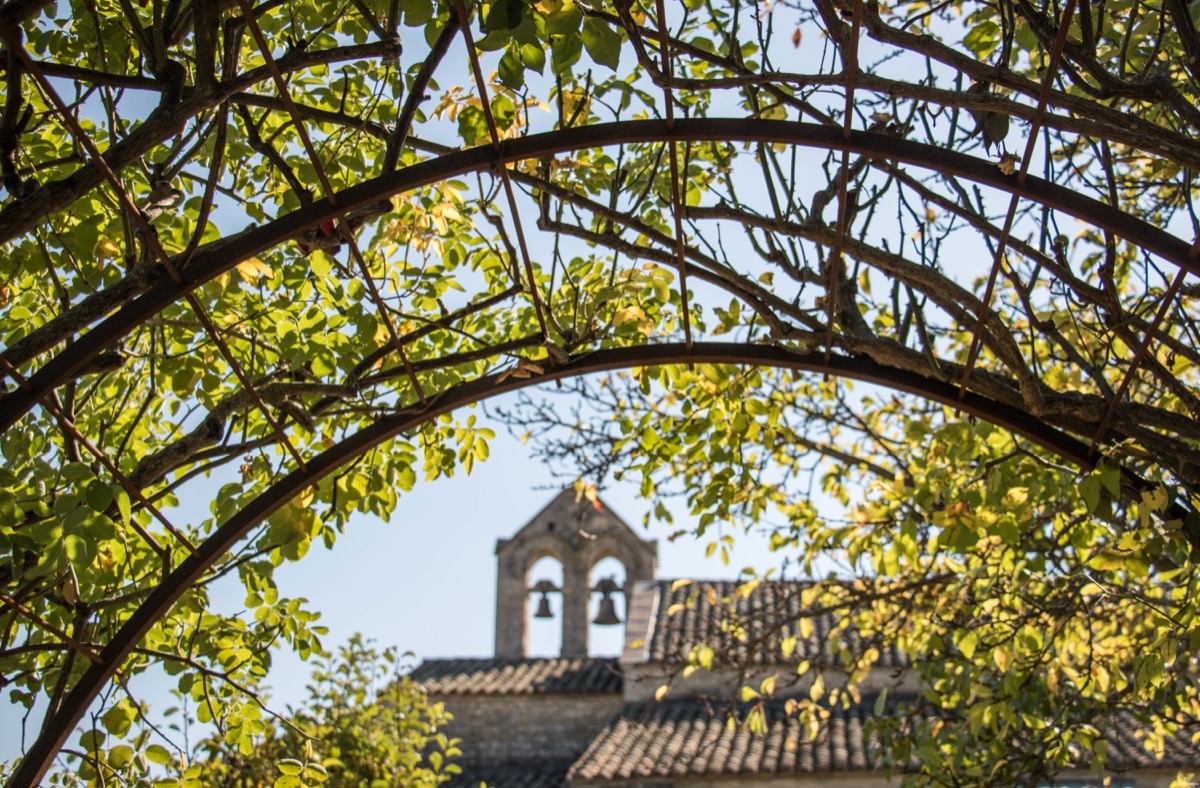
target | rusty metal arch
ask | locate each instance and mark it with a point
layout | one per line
(223, 256)
(41, 754)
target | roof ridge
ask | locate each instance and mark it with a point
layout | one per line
(520, 676)
(518, 659)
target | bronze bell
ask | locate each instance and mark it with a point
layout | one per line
(543, 587)
(607, 615)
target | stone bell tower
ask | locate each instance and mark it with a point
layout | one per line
(578, 534)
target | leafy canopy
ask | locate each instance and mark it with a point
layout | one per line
(364, 724)
(234, 326)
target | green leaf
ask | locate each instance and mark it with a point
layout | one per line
(290, 766)
(74, 471)
(156, 753)
(504, 112)
(320, 263)
(120, 756)
(416, 12)
(565, 52)
(564, 22)
(91, 740)
(81, 550)
(117, 719)
(10, 513)
(1110, 477)
(504, 15)
(603, 43)
(533, 57)
(99, 495)
(966, 643)
(122, 499)
(1089, 490)
(472, 126)
(511, 70)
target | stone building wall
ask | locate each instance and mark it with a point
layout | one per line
(498, 730)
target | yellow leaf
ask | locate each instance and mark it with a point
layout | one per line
(774, 112)
(817, 689)
(252, 268)
(1017, 495)
(1003, 658)
(447, 211)
(628, 314)
(1156, 499)
(747, 588)
(864, 281)
(105, 248)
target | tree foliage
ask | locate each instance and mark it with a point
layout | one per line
(156, 348)
(1037, 607)
(364, 725)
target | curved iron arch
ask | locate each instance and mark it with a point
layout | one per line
(158, 603)
(221, 257)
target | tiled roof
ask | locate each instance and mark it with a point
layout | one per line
(767, 616)
(688, 738)
(512, 777)
(1126, 749)
(498, 676)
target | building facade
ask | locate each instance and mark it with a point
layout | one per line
(576, 720)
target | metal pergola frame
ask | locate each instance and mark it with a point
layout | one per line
(209, 262)
(222, 256)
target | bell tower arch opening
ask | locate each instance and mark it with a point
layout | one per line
(544, 607)
(607, 611)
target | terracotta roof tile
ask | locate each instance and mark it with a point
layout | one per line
(695, 613)
(689, 738)
(1126, 748)
(498, 676)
